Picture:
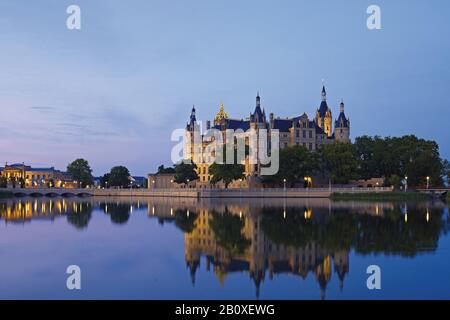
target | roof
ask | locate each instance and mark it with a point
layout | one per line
(282, 124)
(52, 169)
(342, 121)
(235, 124)
(323, 108)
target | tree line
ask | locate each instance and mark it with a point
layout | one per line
(392, 158)
(80, 171)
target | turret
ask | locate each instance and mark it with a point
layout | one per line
(342, 126)
(192, 120)
(258, 116)
(324, 116)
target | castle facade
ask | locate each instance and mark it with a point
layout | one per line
(293, 131)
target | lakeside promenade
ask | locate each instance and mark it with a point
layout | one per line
(196, 193)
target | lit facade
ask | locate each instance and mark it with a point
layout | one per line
(293, 131)
(35, 177)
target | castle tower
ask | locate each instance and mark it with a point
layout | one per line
(192, 120)
(258, 117)
(192, 138)
(257, 121)
(342, 126)
(324, 116)
(221, 115)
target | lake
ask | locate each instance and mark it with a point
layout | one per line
(131, 248)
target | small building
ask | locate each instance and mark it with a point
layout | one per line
(162, 181)
(36, 177)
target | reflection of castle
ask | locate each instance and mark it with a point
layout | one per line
(262, 255)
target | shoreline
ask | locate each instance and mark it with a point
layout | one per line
(392, 196)
(385, 194)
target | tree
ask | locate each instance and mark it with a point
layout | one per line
(227, 172)
(394, 181)
(81, 172)
(104, 180)
(119, 177)
(339, 161)
(185, 172)
(162, 169)
(296, 163)
(446, 171)
(399, 156)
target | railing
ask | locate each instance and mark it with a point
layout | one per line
(201, 192)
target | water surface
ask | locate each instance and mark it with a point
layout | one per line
(223, 249)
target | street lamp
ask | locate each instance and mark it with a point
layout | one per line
(406, 183)
(428, 183)
(284, 184)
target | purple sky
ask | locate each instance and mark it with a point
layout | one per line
(114, 91)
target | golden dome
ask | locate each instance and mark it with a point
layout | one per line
(221, 114)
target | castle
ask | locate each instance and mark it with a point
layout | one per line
(293, 131)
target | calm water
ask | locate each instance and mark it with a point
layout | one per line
(223, 249)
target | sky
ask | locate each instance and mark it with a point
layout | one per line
(114, 91)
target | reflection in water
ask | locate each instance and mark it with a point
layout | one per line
(261, 238)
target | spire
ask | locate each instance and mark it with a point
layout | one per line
(221, 114)
(258, 100)
(324, 93)
(193, 117)
(341, 107)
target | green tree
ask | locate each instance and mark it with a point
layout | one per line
(81, 172)
(162, 169)
(339, 161)
(119, 177)
(225, 172)
(185, 172)
(446, 171)
(394, 180)
(399, 156)
(104, 180)
(296, 163)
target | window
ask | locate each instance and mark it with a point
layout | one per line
(310, 134)
(310, 146)
(304, 134)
